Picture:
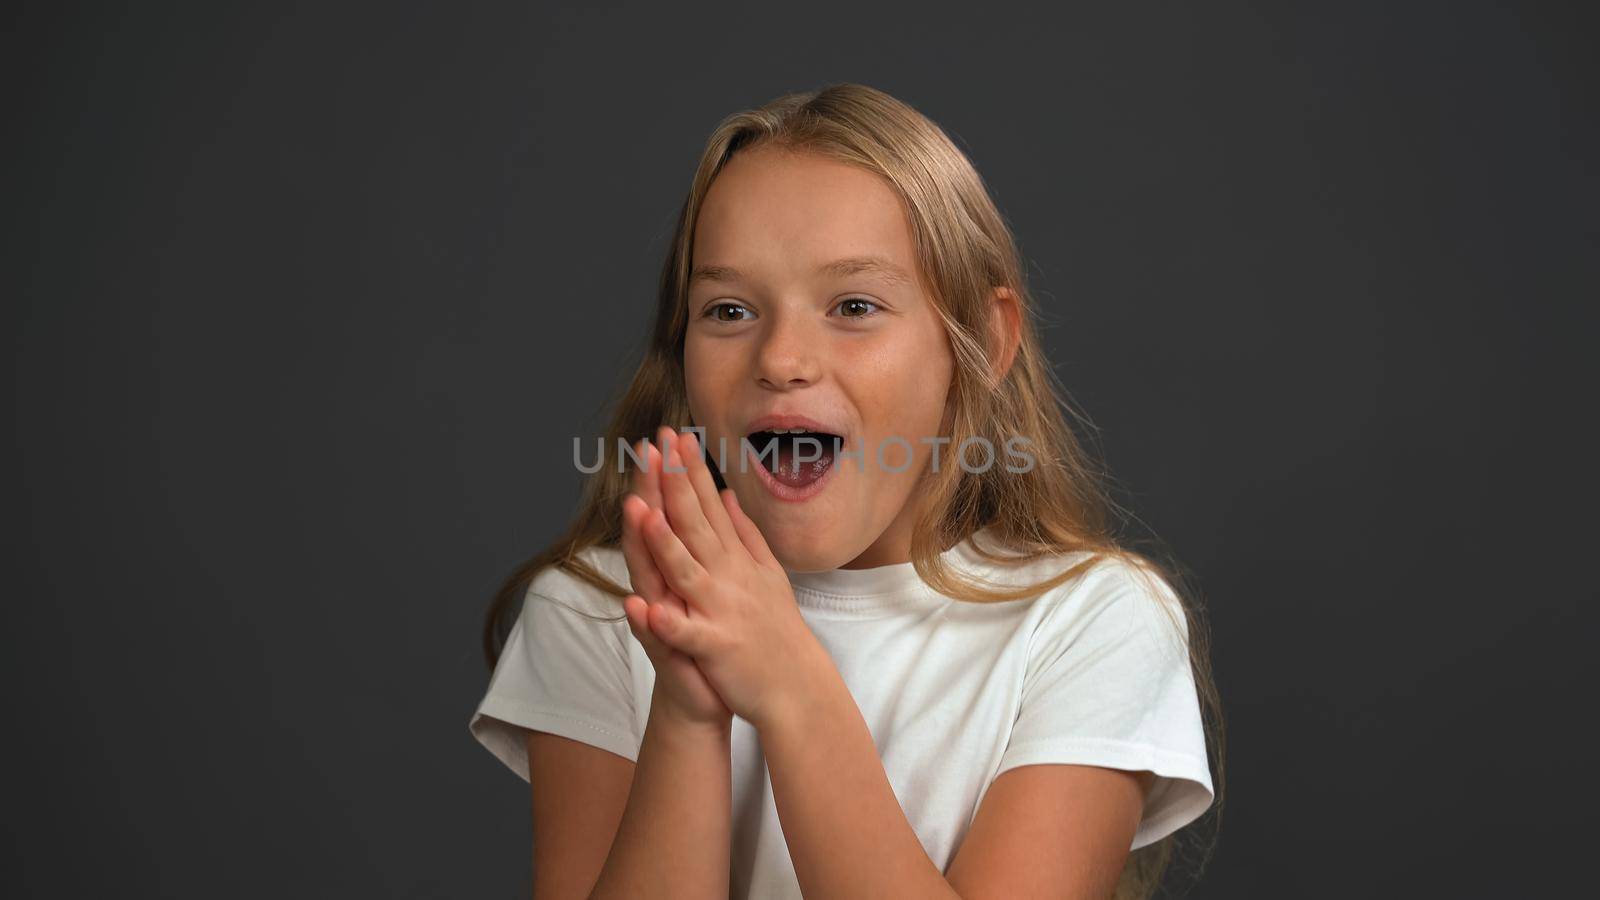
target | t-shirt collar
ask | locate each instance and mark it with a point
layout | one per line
(852, 589)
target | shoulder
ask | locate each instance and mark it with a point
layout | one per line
(562, 585)
(1101, 596)
(1118, 599)
(988, 556)
(988, 560)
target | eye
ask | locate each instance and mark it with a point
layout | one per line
(712, 312)
(852, 307)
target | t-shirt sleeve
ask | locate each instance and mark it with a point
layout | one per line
(563, 670)
(1108, 683)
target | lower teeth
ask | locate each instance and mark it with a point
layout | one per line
(791, 470)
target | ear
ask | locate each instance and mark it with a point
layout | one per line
(1005, 330)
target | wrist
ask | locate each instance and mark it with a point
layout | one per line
(806, 691)
(665, 711)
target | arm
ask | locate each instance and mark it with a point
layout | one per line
(579, 791)
(1050, 830)
(847, 835)
(674, 837)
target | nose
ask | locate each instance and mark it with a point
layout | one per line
(787, 356)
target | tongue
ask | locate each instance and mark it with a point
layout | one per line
(794, 473)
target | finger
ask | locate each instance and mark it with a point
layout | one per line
(639, 617)
(638, 612)
(673, 601)
(749, 534)
(683, 505)
(706, 490)
(642, 572)
(664, 594)
(647, 481)
(683, 633)
(683, 573)
(649, 583)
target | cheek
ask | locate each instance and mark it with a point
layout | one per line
(700, 379)
(904, 388)
(711, 380)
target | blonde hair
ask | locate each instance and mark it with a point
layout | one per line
(965, 250)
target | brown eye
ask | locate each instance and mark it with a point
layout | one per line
(715, 312)
(854, 308)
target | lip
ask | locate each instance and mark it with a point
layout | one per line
(777, 488)
(794, 420)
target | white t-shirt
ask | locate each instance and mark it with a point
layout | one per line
(1091, 672)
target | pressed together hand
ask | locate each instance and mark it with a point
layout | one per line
(680, 685)
(715, 601)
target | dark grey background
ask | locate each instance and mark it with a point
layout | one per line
(306, 301)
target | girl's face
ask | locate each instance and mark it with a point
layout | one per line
(805, 302)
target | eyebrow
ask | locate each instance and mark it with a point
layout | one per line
(876, 266)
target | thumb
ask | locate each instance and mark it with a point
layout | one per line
(638, 613)
(676, 629)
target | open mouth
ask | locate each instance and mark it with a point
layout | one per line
(795, 461)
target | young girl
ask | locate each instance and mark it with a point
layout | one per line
(842, 612)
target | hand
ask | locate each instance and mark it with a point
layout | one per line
(681, 689)
(742, 625)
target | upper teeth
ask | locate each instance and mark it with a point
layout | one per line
(788, 430)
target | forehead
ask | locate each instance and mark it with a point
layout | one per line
(779, 214)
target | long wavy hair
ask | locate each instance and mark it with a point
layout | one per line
(965, 249)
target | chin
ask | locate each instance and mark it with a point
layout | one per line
(806, 552)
